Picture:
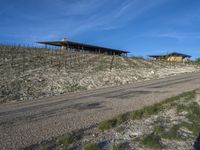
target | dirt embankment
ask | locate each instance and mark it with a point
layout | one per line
(30, 73)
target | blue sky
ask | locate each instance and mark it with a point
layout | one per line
(140, 26)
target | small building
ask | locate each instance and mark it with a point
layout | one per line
(81, 47)
(172, 57)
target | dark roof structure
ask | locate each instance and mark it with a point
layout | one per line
(85, 47)
(171, 54)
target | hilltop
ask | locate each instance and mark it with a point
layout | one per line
(28, 73)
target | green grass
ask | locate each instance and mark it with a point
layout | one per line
(107, 124)
(180, 108)
(121, 146)
(65, 139)
(184, 96)
(152, 141)
(119, 129)
(146, 111)
(138, 114)
(193, 124)
(151, 110)
(121, 118)
(91, 146)
(171, 134)
(43, 147)
(194, 118)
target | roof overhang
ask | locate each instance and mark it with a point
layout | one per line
(70, 43)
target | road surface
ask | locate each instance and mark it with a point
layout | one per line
(25, 123)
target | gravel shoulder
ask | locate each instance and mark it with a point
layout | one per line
(25, 123)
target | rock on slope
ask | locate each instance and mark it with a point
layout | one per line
(29, 73)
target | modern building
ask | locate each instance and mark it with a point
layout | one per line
(172, 57)
(81, 47)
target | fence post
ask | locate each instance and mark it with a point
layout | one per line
(111, 63)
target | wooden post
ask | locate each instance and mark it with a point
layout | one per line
(23, 63)
(12, 59)
(174, 64)
(111, 63)
(65, 63)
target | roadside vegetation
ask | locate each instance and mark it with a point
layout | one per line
(172, 123)
(121, 146)
(145, 112)
(91, 146)
(152, 141)
(65, 140)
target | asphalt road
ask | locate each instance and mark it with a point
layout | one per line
(25, 123)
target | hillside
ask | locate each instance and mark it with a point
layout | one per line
(29, 73)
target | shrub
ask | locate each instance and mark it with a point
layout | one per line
(146, 111)
(65, 139)
(108, 124)
(152, 141)
(121, 118)
(91, 146)
(150, 110)
(43, 147)
(121, 146)
(138, 114)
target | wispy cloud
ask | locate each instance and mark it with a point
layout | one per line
(178, 35)
(73, 17)
(116, 16)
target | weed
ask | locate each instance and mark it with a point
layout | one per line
(193, 125)
(151, 110)
(194, 112)
(171, 134)
(194, 128)
(193, 117)
(184, 96)
(190, 95)
(91, 146)
(74, 87)
(65, 139)
(108, 124)
(181, 108)
(136, 114)
(156, 108)
(43, 147)
(146, 111)
(152, 141)
(119, 129)
(121, 146)
(121, 118)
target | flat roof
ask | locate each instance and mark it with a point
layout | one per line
(77, 44)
